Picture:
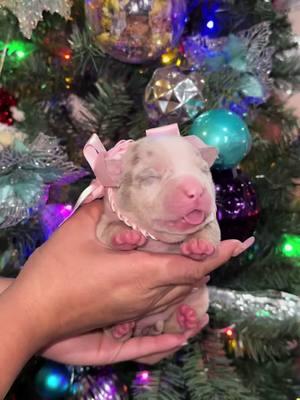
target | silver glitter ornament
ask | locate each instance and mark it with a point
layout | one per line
(136, 31)
(270, 306)
(25, 174)
(174, 96)
(30, 12)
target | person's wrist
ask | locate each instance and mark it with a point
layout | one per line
(20, 322)
(32, 306)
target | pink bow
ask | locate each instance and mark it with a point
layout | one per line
(106, 166)
(168, 130)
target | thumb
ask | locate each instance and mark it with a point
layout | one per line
(188, 271)
(226, 250)
(144, 346)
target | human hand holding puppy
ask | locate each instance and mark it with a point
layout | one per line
(72, 285)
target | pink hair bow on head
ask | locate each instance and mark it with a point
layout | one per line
(209, 154)
(106, 166)
(167, 130)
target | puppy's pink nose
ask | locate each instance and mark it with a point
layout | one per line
(190, 188)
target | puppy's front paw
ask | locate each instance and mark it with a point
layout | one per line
(128, 239)
(198, 249)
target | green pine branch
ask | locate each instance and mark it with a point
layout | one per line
(209, 374)
(165, 383)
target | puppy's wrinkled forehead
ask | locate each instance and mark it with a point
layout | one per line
(161, 152)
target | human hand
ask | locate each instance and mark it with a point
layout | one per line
(98, 348)
(55, 296)
(72, 284)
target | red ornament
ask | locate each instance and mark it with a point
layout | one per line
(6, 102)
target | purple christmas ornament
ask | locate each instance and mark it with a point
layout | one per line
(237, 206)
(102, 385)
(53, 215)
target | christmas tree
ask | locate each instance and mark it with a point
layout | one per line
(222, 70)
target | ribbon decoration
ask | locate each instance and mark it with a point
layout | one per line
(106, 166)
(167, 130)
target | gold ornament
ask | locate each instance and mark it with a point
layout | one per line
(136, 31)
(30, 12)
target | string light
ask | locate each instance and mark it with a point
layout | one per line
(232, 344)
(169, 57)
(290, 246)
(68, 80)
(18, 49)
(229, 332)
(210, 24)
(142, 378)
(178, 62)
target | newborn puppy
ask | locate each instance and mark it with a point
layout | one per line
(164, 202)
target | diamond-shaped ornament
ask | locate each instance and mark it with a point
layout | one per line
(174, 96)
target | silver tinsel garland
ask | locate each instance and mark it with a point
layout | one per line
(273, 306)
(30, 12)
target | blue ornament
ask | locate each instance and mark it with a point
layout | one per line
(227, 132)
(53, 380)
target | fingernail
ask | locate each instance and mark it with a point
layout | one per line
(184, 344)
(244, 246)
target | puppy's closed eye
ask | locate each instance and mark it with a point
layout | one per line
(149, 177)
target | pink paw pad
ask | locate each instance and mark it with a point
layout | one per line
(197, 248)
(122, 330)
(187, 317)
(128, 239)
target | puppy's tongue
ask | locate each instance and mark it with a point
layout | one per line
(195, 217)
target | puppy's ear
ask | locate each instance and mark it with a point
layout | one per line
(208, 153)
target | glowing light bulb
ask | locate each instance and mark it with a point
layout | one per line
(229, 332)
(20, 54)
(290, 246)
(210, 24)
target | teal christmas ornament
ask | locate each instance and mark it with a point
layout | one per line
(53, 380)
(227, 132)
